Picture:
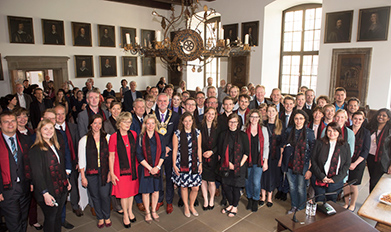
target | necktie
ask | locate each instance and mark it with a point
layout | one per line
(286, 120)
(13, 149)
(162, 118)
(62, 128)
(141, 120)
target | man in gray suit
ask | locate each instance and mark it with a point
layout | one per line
(24, 100)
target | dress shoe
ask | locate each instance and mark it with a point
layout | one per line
(217, 193)
(195, 213)
(133, 220)
(284, 196)
(158, 205)
(249, 203)
(205, 208)
(39, 227)
(223, 202)
(155, 218)
(141, 207)
(180, 202)
(278, 195)
(211, 207)
(78, 212)
(93, 211)
(196, 203)
(100, 226)
(108, 224)
(67, 225)
(169, 208)
(261, 203)
(128, 225)
(269, 204)
(254, 207)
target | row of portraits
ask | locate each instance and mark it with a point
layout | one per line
(84, 66)
(372, 25)
(21, 30)
(251, 28)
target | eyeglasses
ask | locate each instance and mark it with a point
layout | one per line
(233, 122)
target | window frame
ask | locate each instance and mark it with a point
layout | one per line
(216, 19)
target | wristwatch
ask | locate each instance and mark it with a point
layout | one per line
(158, 167)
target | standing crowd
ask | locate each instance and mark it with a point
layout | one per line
(122, 146)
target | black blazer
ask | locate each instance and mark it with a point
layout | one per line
(254, 103)
(73, 129)
(172, 126)
(27, 99)
(319, 158)
(128, 100)
(35, 113)
(40, 170)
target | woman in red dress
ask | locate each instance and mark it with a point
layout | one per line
(123, 165)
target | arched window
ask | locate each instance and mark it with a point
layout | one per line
(300, 47)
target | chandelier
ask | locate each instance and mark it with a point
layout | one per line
(187, 44)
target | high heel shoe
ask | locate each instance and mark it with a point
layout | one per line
(128, 225)
(133, 220)
(205, 208)
(211, 207)
(155, 218)
(149, 221)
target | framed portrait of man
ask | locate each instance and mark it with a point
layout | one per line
(252, 29)
(147, 38)
(131, 32)
(149, 66)
(81, 34)
(20, 30)
(84, 66)
(129, 64)
(53, 32)
(373, 24)
(106, 35)
(108, 66)
(338, 27)
(231, 32)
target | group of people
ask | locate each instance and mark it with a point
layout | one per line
(122, 147)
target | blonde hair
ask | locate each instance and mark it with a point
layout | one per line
(248, 118)
(277, 121)
(144, 127)
(122, 117)
(39, 140)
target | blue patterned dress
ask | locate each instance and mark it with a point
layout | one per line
(186, 179)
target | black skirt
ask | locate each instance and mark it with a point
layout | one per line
(271, 177)
(357, 173)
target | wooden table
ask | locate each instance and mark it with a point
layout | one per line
(342, 220)
(374, 209)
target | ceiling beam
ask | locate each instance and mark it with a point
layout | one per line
(152, 4)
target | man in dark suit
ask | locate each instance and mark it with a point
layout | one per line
(200, 110)
(24, 100)
(168, 123)
(38, 106)
(130, 96)
(275, 97)
(289, 104)
(70, 134)
(309, 102)
(222, 119)
(259, 97)
(14, 176)
(243, 110)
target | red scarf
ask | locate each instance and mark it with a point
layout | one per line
(148, 153)
(207, 140)
(261, 144)
(90, 113)
(380, 143)
(299, 154)
(70, 142)
(237, 152)
(57, 172)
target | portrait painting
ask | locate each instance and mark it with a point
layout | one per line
(81, 34)
(252, 29)
(20, 30)
(373, 24)
(129, 64)
(149, 66)
(131, 32)
(231, 32)
(106, 35)
(53, 32)
(147, 38)
(338, 27)
(84, 66)
(108, 66)
(1, 69)
(350, 69)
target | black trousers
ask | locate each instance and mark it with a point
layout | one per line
(52, 215)
(375, 171)
(15, 208)
(100, 196)
(232, 193)
(74, 194)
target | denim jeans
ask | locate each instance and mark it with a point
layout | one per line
(331, 188)
(297, 188)
(253, 182)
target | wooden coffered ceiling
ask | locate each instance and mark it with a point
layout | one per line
(160, 4)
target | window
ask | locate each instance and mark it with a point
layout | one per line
(212, 30)
(300, 47)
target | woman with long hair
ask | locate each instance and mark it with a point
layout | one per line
(379, 158)
(176, 105)
(271, 176)
(357, 166)
(9, 102)
(123, 166)
(78, 105)
(317, 124)
(209, 134)
(110, 126)
(258, 156)
(150, 154)
(182, 87)
(297, 155)
(60, 100)
(187, 161)
(94, 169)
(330, 162)
(233, 148)
(49, 178)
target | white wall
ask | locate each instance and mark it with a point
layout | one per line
(89, 11)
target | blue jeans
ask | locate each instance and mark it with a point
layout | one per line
(297, 189)
(253, 182)
(321, 190)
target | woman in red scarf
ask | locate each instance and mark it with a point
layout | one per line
(330, 162)
(151, 156)
(258, 138)
(379, 158)
(123, 166)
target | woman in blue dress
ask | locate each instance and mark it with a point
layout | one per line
(187, 165)
(151, 156)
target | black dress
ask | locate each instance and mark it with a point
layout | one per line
(271, 177)
(209, 165)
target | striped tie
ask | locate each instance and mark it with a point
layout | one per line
(13, 149)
